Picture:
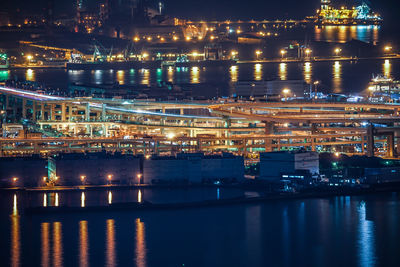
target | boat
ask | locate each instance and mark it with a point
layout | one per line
(383, 88)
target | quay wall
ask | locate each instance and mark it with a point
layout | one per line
(74, 169)
(28, 171)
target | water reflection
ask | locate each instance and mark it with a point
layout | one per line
(283, 71)
(307, 72)
(83, 244)
(44, 200)
(139, 197)
(98, 76)
(4, 75)
(170, 74)
(140, 259)
(366, 238)
(194, 75)
(83, 199)
(110, 243)
(57, 244)
(387, 68)
(15, 235)
(30, 75)
(56, 201)
(121, 77)
(258, 72)
(45, 249)
(144, 76)
(109, 197)
(337, 77)
(233, 71)
(159, 75)
(342, 34)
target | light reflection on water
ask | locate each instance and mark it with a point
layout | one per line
(337, 77)
(343, 34)
(387, 68)
(83, 244)
(45, 242)
(349, 77)
(110, 243)
(15, 235)
(283, 71)
(279, 231)
(307, 72)
(366, 239)
(57, 245)
(140, 253)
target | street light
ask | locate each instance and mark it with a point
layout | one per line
(283, 52)
(285, 92)
(139, 176)
(145, 55)
(234, 54)
(308, 52)
(337, 51)
(83, 177)
(194, 54)
(258, 53)
(388, 48)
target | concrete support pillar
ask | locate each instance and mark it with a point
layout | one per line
(163, 109)
(370, 141)
(23, 108)
(7, 101)
(63, 112)
(269, 128)
(52, 112)
(42, 111)
(70, 112)
(87, 112)
(398, 147)
(313, 128)
(34, 115)
(103, 112)
(390, 145)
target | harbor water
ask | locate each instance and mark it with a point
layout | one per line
(335, 231)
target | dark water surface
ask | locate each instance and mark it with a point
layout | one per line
(337, 231)
(338, 77)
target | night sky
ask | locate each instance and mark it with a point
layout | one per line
(224, 9)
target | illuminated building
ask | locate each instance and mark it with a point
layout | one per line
(361, 14)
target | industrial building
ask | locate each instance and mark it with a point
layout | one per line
(275, 166)
(193, 168)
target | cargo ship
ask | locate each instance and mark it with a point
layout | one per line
(359, 15)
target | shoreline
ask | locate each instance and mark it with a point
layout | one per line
(129, 206)
(239, 62)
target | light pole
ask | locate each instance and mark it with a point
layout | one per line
(308, 52)
(337, 51)
(315, 88)
(388, 49)
(285, 92)
(258, 53)
(283, 53)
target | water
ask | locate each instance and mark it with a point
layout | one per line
(337, 77)
(337, 231)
